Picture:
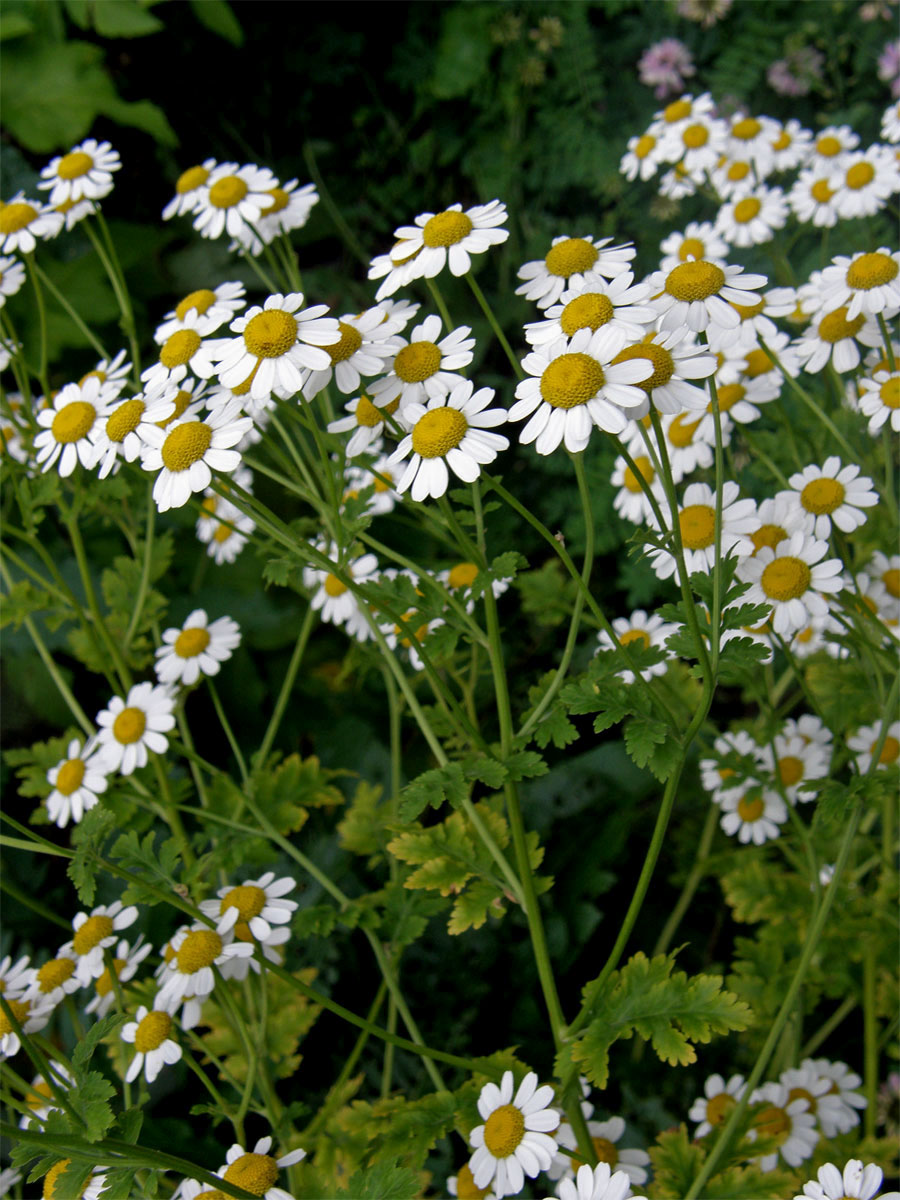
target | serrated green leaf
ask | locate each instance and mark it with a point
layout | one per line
(642, 736)
(88, 838)
(471, 909)
(149, 863)
(397, 1130)
(431, 789)
(526, 764)
(87, 1045)
(487, 770)
(383, 1182)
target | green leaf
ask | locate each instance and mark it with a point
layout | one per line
(88, 838)
(383, 1182)
(87, 1045)
(13, 25)
(90, 1099)
(471, 909)
(676, 1162)
(148, 864)
(362, 829)
(399, 1130)
(485, 769)
(316, 921)
(123, 18)
(285, 791)
(670, 1010)
(642, 736)
(432, 788)
(526, 764)
(217, 15)
(463, 51)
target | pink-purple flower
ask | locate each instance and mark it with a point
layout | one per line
(665, 66)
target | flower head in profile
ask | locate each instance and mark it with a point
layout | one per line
(717, 1101)
(450, 237)
(32, 1011)
(154, 1048)
(333, 599)
(124, 965)
(865, 742)
(288, 208)
(12, 276)
(84, 173)
(198, 647)
(257, 1171)
(515, 1139)
(188, 189)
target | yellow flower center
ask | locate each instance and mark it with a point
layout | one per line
(74, 165)
(891, 580)
(248, 899)
(398, 262)
(446, 229)
(695, 280)
(571, 379)
(676, 111)
(729, 394)
(859, 175)
(644, 145)
(698, 526)
(280, 200)
(767, 535)
(241, 389)
(185, 445)
(152, 1032)
(889, 392)
(463, 575)
(828, 146)
(351, 340)
(227, 192)
(746, 311)
(751, 808)
(737, 171)
(181, 401)
(104, 984)
(695, 136)
(129, 726)
(821, 192)
(660, 359)
(790, 771)
(70, 776)
(785, 578)
(718, 1108)
(890, 751)
(822, 496)
(757, 363)
(270, 333)
(417, 361)
(72, 423)
(504, 1130)
(405, 627)
(191, 642)
(333, 586)
(53, 974)
(92, 933)
(124, 420)
(51, 1179)
(190, 179)
(773, 1122)
(438, 431)
(681, 432)
(871, 270)
(199, 949)
(691, 248)
(745, 210)
(368, 415)
(746, 130)
(645, 470)
(14, 217)
(589, 311)
(571, 257)
(20, 1010)
(180, 348)
(40, 1095)
(635, 635)
(255, 1173)
(782, 141)
(222, 534)
(465, 1185)
(834, 326)
(201, 300)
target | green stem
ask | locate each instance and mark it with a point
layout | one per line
(70, 312)
(145, 569)
(229, 732)
(828, 1027)
(331, 208)
(441, 306)
(42, 322)
(71, 523)
(287, 685)
(812, 405)
(888, 344)
(110, 262)
(495, 325)
(715, 620)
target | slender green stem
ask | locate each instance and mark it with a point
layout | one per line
(228, 731)
(171, 813)
(495, 325)
(439, 302)
(716, 614)
(870, 1040)
(268, 283)
(42, 323)
(40, 1062)
(84, 570)
(70, 312)
(331, 208)
(828, 1027)
(888, 344)
(145, 568)
(812, 405)
(110, 263)
(287, 685)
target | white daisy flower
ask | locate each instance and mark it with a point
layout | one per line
(394, 272)
(232, 197)
(677, 360)
(451, 237)
(228, 540)
(515, 1138)
(188, 451)
(459, 579)
(576, 384)
(752, 138)
(255, 910)
(845, 1084)
(796, 762)
(277, 346)
(885, 574)
(811, 729)
(812, 197)
(94, 932)
(697, 523)
(833, 336)
(697, 145)
(643, 156)
(257, 1171)
(597, 1183)
(701, 293)
(74, 211)
(868, 180)
(854, 1182)
(681, 112)
(289, 208)
(463, 1186)
(425, 367)
(868, 282)
(618, 304)
(734, 177)
(832, 1115)
(832, 494)
(739, 399)
(572, 261)
(42, 1099)
(754, 217)
(778, 518)
(332, 599)
(78, 781)
(717, 1101)
(604, 1136)
(647, 632)
(678, 183)
(57, 978)
(189, 189)
(67, 427)
(449, 431)
(754, 814)
(214, 306)
(12, 276)
(187, 349)
(365, 342)
(409, 633)
(397, 315)
(833, 143)
(865, 741)
(154, 1048)
(125, 962)
(382, 477)
(131, 727)
(32, 1012)
(23, 222)
(879, 400)
(788, 1122)
(197, 648)
(84, 173)
(792, 579)
(631, 502)
(698, 241)
(791, 146)
(120, 433)
(366, 421)
(189, 973)
(890, 123)
(721, 780)
(15, 977)
(690, 440)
